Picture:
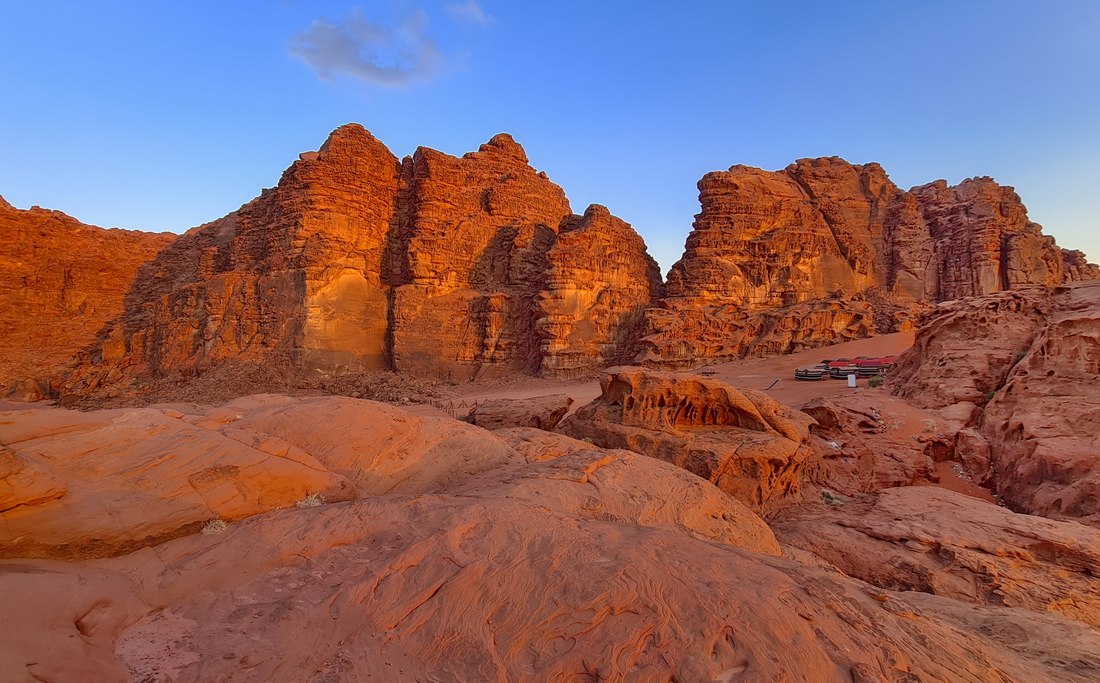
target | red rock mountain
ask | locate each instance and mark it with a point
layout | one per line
(434, 265)
(825, 251)
(460, 268)
(62, 282)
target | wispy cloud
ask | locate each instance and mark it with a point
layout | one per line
(469, 12)
(391, 55)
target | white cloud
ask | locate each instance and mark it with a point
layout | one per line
(394, 55)
(469, 11)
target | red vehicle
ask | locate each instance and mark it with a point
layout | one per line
(840, 368)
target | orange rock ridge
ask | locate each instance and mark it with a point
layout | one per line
(467, 267)
(825, 251)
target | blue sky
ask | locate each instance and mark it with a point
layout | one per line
(164, 115)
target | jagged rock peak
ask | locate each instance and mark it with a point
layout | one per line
(505, 144)
(350, 136)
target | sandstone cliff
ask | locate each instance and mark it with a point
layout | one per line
(459, 268)
(435, 265)
(1028, 391)
(825, 251)
(62, 281)
(599, 283)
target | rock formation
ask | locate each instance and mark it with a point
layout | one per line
(825, 251)
(62, 281)
(1034, 372)
(460, 268)
(439, 266)
(541, 412)
(944, 543)
(741, 440)
(473, 252)
(599, 283)
(108, 482)
(481, 564)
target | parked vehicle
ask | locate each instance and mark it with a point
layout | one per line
(841, 368)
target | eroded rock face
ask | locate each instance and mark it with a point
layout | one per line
(474, 257)
(293, 276)
(952, 545)
(839, 252)
(599, 283)
(62, 281)
(1043, 425)
(438, 266)
(1030, 358)
(741, 440)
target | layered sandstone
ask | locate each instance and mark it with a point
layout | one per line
(741, 440)
(599, 282)
(952, 545)
(596, 562)
(292, 276)
(1022, 367)
(62, 282)
(838, 252)
(435, 265)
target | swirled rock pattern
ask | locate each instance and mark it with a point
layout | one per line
(597, 564)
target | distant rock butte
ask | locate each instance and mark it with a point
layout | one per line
(457, 268)
(475, 266)
(62, 281)
(825, 251)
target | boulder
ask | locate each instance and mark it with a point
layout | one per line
(540, 412)
(741, 440)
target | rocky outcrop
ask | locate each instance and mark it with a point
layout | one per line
(1030, 384)
(1043, 424)
(454, 268)
(294, 276)
(868, 441)
(741, 440)
(108, 482)
(540, 412)
(839, 252)
(941, 542)
(460, 268)
(600, 564)
(599, 283)
(62, 281)
(472, 261)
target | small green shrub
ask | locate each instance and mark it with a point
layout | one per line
(876, 381)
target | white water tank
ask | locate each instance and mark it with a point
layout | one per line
(852, 381)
